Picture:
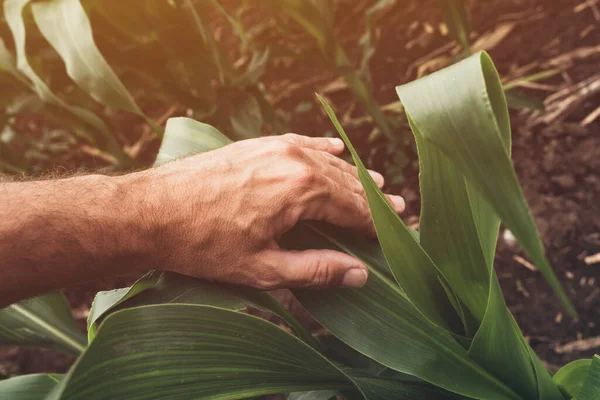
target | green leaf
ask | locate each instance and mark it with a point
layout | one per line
(191, 352)
(175, 288)
(314, 395)
(591, 387)
(473, 133)
(184, 136)
(458, 19)
(107, 300)
(13, 13)
(458, 229)
(67, 28)
(367, 41)
(413, 269)
(386, 389)
(367, 320)
(570, 377)
(41, 321)
(316, 17)
(28, 387)
(381, 323)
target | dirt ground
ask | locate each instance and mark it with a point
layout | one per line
(555, 153)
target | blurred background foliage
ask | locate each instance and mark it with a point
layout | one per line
(89, 84)
(78, 69)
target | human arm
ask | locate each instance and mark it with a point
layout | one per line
(217, 216)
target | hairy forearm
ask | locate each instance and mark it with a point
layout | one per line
(57, 233)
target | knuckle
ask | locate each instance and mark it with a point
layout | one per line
(321, 274)
(280, 147)
(307, 176)
(292, 138)
(268, 279)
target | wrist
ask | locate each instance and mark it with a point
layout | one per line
(136, 229)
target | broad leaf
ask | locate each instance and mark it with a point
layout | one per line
(28, 387)
(107, 300)
(356, 316)
(570, 378)
(191, 352)
(381, 323)
(41, 321)
(174, 288)
(471, 133)
(413, 269)
(590, 390)
(458, 229)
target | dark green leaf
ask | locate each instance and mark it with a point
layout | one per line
(41, 321)
(191, 352)
(107, 300)
(28, 387)
(413, 269)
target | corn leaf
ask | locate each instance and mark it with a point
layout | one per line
(28, 387)
(471, 133)
(356, 316)
(458, 19)
(184, 136)
(13, 13)
(7, 64)
(175, 288)
(41, 321)
(314, 395)
(570, 377)
(413, 269)
(590, 390)
(380, 323)
(107, 300)
(66, 26)
(316, 17)
(458, 229)
(191, 352)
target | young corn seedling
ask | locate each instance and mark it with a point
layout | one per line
(431, 321)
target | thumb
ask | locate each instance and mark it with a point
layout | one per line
(317, 269)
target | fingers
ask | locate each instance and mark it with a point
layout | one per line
(313, 268)
(329, 145)
(397, 203)
(341, 206)
(344, 166)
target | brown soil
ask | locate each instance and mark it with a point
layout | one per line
(557, 160)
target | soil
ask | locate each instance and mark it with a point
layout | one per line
(556, 159)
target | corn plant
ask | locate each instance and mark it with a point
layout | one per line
(114, 52)
(316, 18)
(457, 16)
(431, 321)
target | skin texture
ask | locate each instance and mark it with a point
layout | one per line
(216, 216)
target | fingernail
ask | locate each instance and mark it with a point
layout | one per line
(336, 142)
(355, 278)
(399, 203)
(377, 177)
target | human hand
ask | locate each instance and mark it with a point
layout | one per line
(219, 215)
